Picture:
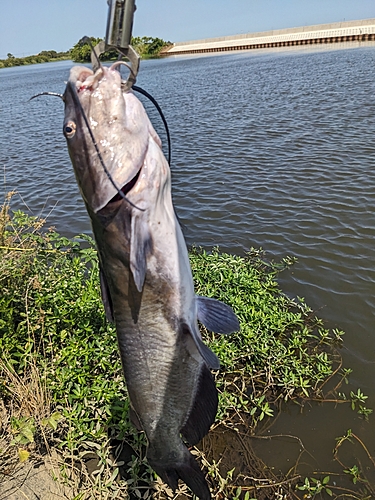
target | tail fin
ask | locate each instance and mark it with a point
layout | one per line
(187, 469)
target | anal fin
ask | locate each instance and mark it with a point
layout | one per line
(203, 412)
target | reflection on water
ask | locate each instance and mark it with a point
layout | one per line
(270, 148)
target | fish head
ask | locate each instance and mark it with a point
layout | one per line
(106, 133)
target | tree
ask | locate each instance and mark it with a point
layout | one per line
(81, 52)
(145, 46)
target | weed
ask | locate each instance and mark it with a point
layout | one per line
(315, 486)
(355, 399)
(61, 382)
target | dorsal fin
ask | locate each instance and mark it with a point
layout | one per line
(216, 316)
(203, 412)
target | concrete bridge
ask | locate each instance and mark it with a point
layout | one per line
(348, 31)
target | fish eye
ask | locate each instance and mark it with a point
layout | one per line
(69, 129)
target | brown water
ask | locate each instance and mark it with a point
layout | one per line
(270, 148)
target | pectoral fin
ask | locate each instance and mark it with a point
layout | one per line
(216, 316)
(106, 297)
(140, 246)
(210, 358)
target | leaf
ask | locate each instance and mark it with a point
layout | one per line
(23, 455)
(53, 420)
(329, 492)
(114, 475)
(52, 423)
(27, 432)
(325, 480)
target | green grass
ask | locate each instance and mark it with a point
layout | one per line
(61, 382)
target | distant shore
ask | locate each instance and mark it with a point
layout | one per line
(146, 47)
(42, 57)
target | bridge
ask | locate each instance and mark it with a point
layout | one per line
(347, 31)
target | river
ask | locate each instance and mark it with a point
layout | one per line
(270, 148)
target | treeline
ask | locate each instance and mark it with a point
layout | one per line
(145, 46)
(42, 57)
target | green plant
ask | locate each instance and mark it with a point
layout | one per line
(145, 46)
(356, 398)
(54, 338)
(314, 486)
(354, 472)
(282, 351)
(23, 429)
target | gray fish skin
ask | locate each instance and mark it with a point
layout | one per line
(146, 280)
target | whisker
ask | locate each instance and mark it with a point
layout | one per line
(156, 104)
(87, 40)
(55, 94)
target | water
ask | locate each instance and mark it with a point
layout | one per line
(270, 148)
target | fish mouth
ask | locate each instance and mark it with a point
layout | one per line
(86, 79)
(125, 189)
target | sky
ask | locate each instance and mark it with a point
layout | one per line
(30, 26)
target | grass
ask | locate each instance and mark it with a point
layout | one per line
(62, 388)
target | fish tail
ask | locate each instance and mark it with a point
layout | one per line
(185, 468)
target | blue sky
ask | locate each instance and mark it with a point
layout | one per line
(29, 26)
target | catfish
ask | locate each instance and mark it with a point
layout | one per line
(145, 275)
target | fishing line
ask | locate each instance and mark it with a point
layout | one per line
(79, 105)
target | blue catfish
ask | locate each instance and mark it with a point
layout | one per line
(145, 275)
